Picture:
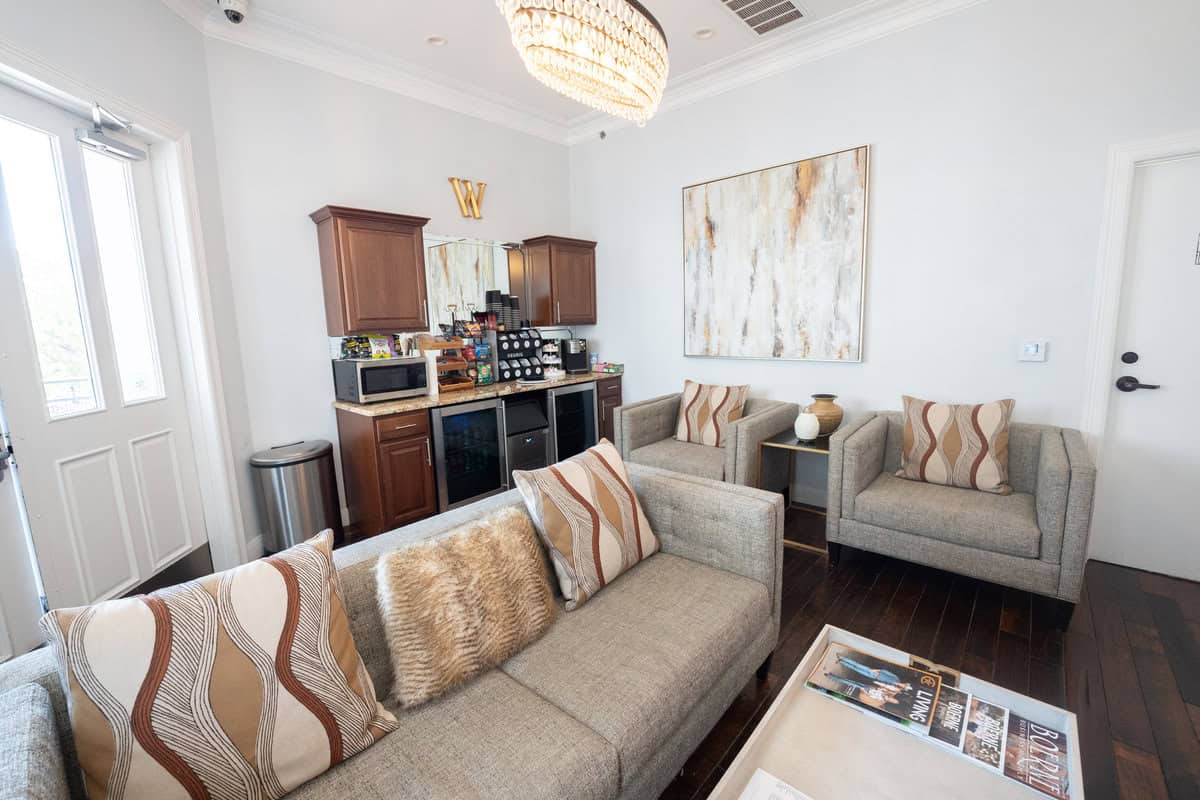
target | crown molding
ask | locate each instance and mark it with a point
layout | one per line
(857, 25)
(276, 36)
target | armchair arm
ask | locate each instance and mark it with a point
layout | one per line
(1078, 523)
(734, 528)
(741, 448)
(856, 455)
(1050, 493)
(639, 424)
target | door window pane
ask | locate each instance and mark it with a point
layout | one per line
(123, 269)
(29, 169)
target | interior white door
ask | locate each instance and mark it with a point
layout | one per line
(90, 378)
(1147, 501)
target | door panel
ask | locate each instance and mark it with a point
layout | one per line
(111, 490)
(574, 285)
(1146, 499)
(385, 278)
(407, 469)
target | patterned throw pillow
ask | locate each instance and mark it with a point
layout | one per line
(589, 518)
(457, 606)
(705, 412)
(953, 445)
(243, 684)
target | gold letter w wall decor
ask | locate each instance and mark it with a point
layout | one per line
(470, 201)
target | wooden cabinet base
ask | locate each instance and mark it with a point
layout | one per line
(387, 470)
(608, 397)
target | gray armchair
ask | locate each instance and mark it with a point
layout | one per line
(1033, 539)
(645, 434)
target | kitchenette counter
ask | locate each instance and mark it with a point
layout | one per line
(464, 396)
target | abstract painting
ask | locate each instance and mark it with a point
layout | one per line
(774, 261)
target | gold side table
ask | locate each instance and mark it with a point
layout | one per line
(787, 441)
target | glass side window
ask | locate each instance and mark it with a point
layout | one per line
(29, 168)
(123, 270)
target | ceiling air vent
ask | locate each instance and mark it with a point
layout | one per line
(764, 16)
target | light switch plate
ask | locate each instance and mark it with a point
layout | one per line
(1032, 350)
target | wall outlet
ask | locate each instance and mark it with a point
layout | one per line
(1032, 350)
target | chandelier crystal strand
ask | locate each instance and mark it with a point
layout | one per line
(610, 55)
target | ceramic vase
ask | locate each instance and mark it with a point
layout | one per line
(808, 426)
(828, 412)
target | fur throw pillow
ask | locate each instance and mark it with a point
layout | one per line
(456, 607)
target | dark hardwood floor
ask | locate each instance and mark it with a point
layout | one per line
(1128, 665)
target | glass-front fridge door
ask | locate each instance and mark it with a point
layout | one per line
(468, 443)
(574, 419)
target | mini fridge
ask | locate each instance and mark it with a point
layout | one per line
(574, 419)
(469, 447)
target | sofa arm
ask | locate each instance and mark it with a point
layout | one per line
(733, 528)
(639, 424)
(741, 449)
(863, 453)
(1050, 493)
(1078, 523)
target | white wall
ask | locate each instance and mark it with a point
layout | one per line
(989, 131)
(143, 53)
(292, 139)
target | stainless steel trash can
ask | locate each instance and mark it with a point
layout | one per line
(297, 492)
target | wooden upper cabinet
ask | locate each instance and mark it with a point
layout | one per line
(559, 281)
(373, 270)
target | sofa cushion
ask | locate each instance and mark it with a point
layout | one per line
(458, 606)
(636, 659)
(706, 412)
(242, 681)
(589, 518)
(997, 523)
(492, 738)
(31, 764)
(694, 459)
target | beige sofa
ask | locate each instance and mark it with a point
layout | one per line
(645, 434)
(608, 704)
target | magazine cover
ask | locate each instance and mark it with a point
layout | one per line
(1037, 757)
(908, 695)
(983, 739)
(950, 717)
(949, 676)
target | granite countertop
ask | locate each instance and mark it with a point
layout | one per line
(463, 396)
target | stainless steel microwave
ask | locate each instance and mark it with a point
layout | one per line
(371, 380)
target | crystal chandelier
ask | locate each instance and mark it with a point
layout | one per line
(607, 54)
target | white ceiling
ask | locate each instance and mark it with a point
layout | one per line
(478, 72)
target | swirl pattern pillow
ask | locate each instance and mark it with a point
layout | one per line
(957, 445)
(242, 684)
(707, 410)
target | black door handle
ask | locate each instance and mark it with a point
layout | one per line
(1127, 383)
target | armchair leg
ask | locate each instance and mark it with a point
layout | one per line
(764, 669)
(1062, 615)
(835, 553)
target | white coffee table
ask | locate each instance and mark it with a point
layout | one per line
(831, 751)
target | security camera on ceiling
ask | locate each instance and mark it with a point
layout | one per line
(235, 10)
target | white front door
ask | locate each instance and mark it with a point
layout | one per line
(1148, 493)
(89, 367)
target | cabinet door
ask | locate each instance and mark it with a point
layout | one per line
(383, 273)
(409, 491)
(607, 406)
(573, 278)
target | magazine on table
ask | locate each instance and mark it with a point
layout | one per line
(949, 725)
(983, 739)
(903, 694)
(1037, 757)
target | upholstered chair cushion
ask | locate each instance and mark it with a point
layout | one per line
(957, 445)
(706, 410)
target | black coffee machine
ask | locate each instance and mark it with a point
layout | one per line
(574, 354)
